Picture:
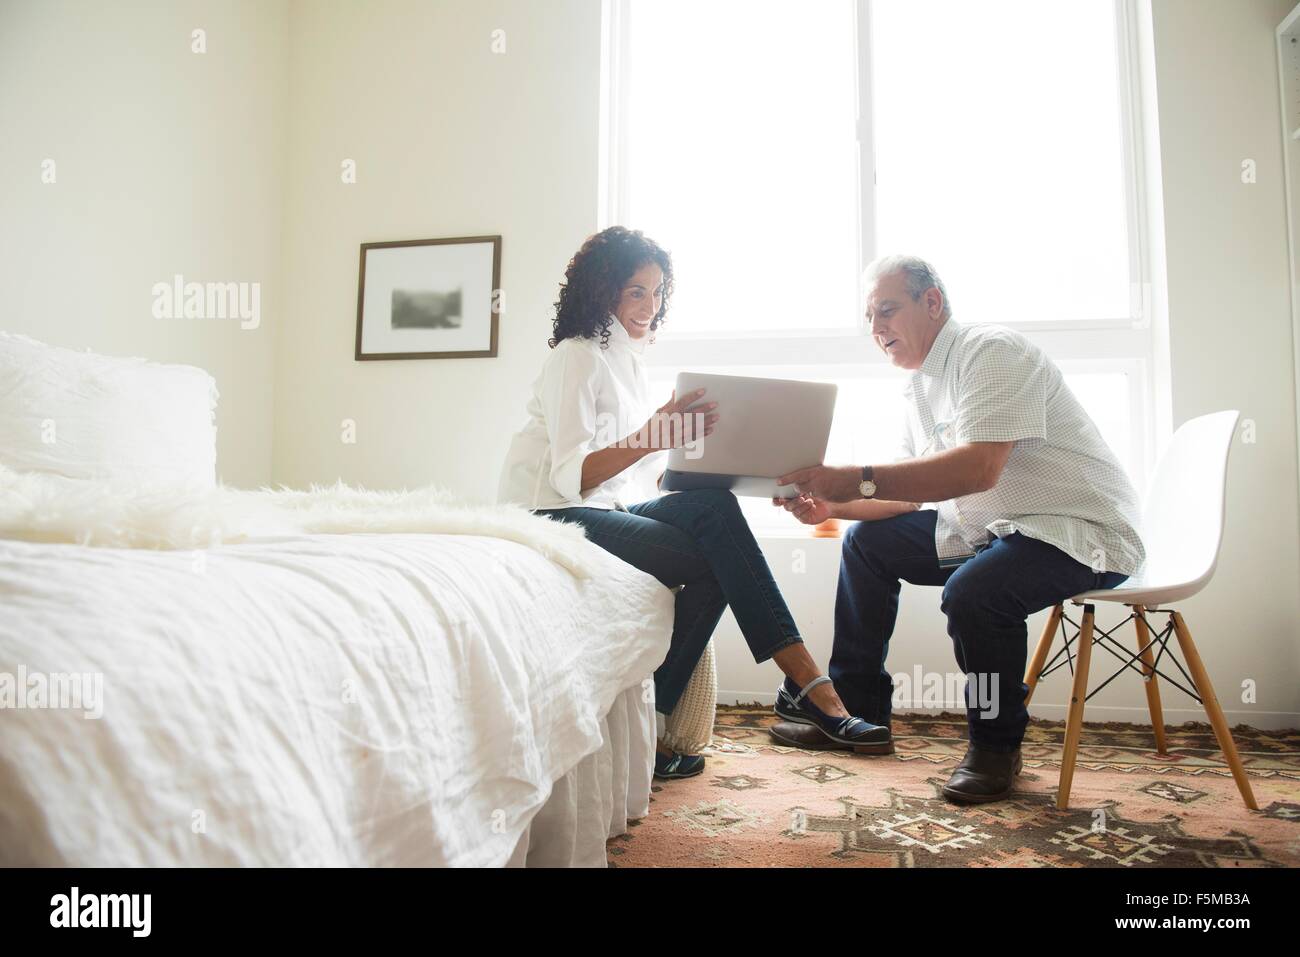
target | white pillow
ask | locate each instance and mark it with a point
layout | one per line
(83, 415)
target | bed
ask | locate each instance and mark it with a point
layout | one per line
(366, 699)
(194, 675)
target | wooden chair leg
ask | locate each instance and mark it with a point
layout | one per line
(1078, 696)
(1213, 711)
(1149, 679)
(1040, 653)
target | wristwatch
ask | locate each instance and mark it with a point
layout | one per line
(866, 486)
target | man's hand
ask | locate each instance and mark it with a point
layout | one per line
(827, 482)
(809, 510)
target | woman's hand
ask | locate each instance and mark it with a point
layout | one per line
(678, 422)
(674, 424)
(809, 510)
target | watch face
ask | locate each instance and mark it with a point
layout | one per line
(867, 489)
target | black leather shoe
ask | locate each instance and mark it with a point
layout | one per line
(983, 776)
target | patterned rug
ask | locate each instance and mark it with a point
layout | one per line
(761, 805)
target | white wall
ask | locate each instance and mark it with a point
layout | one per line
(167, 162)
(450, 139)
(1230, 327)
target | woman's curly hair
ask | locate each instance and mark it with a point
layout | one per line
(594, 280)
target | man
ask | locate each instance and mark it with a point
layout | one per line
(1030, 508)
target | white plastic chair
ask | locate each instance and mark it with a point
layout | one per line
(1182, 528)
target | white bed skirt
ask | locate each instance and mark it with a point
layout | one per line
(595, 800)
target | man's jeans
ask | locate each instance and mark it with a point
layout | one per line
(699, 539)
(986, 599)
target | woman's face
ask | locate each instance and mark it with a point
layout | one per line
(640, 300)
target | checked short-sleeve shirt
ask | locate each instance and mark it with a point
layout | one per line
(1061, 483)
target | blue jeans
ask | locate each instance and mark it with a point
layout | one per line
(698, 539)
(986, 599)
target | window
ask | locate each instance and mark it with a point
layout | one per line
(741, 152)
(1014, 144)
(774, 148)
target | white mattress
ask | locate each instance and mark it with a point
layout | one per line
(362, 699)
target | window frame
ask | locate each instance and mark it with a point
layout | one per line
(1105, 343)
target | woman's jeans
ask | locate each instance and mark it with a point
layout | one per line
(698, 539)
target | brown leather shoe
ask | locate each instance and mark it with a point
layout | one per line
(983, 776)
(810, 738)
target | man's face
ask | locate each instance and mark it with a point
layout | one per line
(903, 328)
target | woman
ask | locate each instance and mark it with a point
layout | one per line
(590, 454)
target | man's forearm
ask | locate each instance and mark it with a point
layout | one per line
(965, 470)
(939, 477)
(870, 509)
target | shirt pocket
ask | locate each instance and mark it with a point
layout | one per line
(941, 438)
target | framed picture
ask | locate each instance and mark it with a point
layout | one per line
(429, 299)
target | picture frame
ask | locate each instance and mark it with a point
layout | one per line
(429, 299)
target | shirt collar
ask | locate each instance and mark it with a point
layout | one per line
(618, 337)
(939, 349)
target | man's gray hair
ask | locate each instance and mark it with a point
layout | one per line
(918, 273)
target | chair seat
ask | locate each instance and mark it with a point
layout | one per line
(1151, 594)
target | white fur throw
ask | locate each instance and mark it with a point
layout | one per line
(40, 507)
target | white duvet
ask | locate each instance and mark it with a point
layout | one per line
(351, 699)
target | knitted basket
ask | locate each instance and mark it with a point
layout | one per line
(689, 729)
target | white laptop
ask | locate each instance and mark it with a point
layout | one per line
(767, 428)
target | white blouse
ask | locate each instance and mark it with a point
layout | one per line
(586, 399)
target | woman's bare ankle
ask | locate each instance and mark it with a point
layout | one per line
(825, 698)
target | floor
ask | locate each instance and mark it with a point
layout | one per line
(759, 804)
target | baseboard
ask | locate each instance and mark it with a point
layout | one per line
(1264, 720)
